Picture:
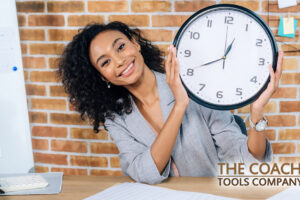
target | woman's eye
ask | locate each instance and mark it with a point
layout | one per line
(121, 46)
(104, 63)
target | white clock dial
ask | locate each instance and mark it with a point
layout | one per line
(221, 80)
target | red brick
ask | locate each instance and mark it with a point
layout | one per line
(43, 76)
(82, 20)
(115, 162)
(30, 6)
(290, 106)
(46, 20)
(290, 78)
(131, 20)
(60, 6)
(252, 5)
(34, 62)
(151, 6)
(37, 117)
(289, 159)
(290, 64)
(41, 169)
(192, 6)
(110, 148)
(39, 144)
(57, 159)
(271, 107)
(53, 62)
(281, 120)
(60, 118)
(285, 92)
(49, 104)
(289, 134)
(107, 6)
(69, 146)
(47, 49)
(32, 34)
(168, 20)
(82, 133)
(92, 161)
(156, 35)
(21, 20)
(280, 148)
(57, 91)
(61, 35)
(24, 48)
(32, 89)
(48, 131)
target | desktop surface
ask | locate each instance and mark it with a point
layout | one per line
(80, 187)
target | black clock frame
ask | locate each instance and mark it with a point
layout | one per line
(252, 15)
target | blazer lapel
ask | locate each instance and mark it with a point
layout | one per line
(137, 125)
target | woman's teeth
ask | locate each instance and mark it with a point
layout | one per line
(128, 68)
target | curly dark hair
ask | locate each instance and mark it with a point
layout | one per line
(88, 92)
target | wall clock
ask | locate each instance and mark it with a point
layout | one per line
(224, 51)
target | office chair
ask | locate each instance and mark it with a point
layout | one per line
(241, 124)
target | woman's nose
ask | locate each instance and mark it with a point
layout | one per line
(120, 60)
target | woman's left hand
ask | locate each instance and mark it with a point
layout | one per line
(257, 107)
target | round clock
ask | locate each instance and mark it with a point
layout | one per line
(224, 51)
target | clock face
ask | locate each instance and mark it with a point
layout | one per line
(224, 52)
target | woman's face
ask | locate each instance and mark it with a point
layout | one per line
(117, 58)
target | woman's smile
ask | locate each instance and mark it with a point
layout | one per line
(129, 70)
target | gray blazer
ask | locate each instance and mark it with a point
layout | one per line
(206, 137)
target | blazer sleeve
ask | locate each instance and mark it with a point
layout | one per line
(230, 143)
(135, 158)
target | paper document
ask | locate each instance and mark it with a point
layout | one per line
(288, 25)
(280, 29)
(133, 191)
(290, 194)
(286, 3)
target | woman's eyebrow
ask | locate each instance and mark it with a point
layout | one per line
(113, 44)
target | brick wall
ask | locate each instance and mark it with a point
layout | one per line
(62, 142)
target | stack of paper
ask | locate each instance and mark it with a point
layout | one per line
(133, 191)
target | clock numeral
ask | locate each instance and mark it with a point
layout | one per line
(202, 86)
(187, 53)
(209, 23)
(259, 42)
(254, 79)
(261, 61)
(228, 20)
(219, 94)
(190, 72)
(195, 35)
(246, 27)
(239, 91)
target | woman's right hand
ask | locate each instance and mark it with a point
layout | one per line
(173, 79)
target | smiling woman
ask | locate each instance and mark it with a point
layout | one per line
(90, 91)
(115, 76)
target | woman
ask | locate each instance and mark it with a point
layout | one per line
(115, 76)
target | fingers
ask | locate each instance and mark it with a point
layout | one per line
(168, 64)
(171, 65)
(279, 66)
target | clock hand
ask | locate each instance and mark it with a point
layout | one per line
(228, 48)
(226, 52)
(209, 62)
